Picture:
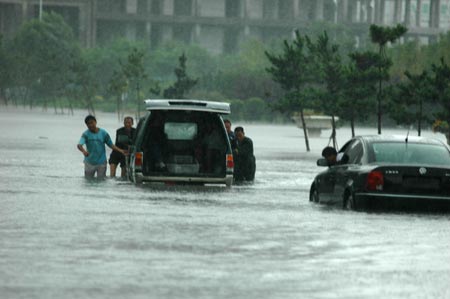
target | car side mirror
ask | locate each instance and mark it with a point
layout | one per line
(322, 162)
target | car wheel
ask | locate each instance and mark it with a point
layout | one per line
(314, 195)
(350, 203)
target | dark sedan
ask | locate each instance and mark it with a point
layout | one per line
(386, 172)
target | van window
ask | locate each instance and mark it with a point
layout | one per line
(180, 131)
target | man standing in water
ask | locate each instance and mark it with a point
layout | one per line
(95, 155)
(124, 138)
(244, 159)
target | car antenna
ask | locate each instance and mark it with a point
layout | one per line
(407, 134)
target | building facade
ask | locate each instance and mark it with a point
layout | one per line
(222, 25)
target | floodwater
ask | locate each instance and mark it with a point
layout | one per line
(64, 237)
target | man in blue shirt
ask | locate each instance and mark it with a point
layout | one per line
(95, 155)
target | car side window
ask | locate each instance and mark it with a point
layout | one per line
(354, 152)
(342, 154)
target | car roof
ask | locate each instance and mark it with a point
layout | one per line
(189, 104)
(399, 139)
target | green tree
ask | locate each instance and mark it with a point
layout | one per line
(411, 97)
(83, 86)
(183, 84)
(440, 80)
(117, 86)
(135, 72)
(329, 69)
(382, 36)
(105, 61)
(5, 73)
(291, 70)
(46, 50)
(359, 86)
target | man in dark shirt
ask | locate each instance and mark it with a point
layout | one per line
(124, 138)
(244, 159)
(330, 154)
(230, 132)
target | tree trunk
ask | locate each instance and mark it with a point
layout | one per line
(118, 107)
(379, 93)
(379, 106)
(70, 107)
(55, 105)
(333, 133)
(138, 101)
(305, 130)
(448, 134)
(352, 126)
(61, 106)
(3, 96)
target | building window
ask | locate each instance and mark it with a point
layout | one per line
(269, 9)
(286, 9)
(230, 41)
(156, 8)
(131, 6)
(232, 8)
(329, 11)
(104, 6)
(108, 31)
(182, 7)
(182, 33)
(155, 36)
(142, 7)
(118, 6)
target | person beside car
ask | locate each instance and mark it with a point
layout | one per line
(330, 154)
(244, 158)
(333, 157)
(230, 133)
(124, 138)
(156, 140)
(214, 145)
(95, 138)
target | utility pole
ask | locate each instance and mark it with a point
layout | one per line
(40, 10)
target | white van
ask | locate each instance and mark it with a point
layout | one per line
(182, 141)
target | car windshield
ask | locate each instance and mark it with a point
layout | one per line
(410, 153)
(180, 131)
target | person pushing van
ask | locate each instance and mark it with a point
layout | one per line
(94, 139)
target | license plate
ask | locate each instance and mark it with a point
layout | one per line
(421, 183)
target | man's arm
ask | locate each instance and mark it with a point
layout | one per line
(117, 149)
(81, 149)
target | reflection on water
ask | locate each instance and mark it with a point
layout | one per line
(64, 237)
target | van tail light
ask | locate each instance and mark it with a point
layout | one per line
(375, 181)
(230, 162)
(138, 159)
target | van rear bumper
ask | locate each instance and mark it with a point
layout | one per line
(227, 180)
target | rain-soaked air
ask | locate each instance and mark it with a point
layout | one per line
(283, 149)
(62, 236)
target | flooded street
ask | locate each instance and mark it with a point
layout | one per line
(64, 237)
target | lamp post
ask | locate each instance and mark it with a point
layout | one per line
(40, 10)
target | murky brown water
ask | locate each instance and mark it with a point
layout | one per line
(64, 237)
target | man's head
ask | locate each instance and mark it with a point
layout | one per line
(91, 123)
(330, 154)
(128, 122)
(227, 123)
(239, 132)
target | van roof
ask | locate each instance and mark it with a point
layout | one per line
(195, 105)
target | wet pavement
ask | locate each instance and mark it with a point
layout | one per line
(64, 237)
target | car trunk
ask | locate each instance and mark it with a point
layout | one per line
(186, 144)
(416, 180)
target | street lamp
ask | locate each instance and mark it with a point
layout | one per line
(40, 10)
